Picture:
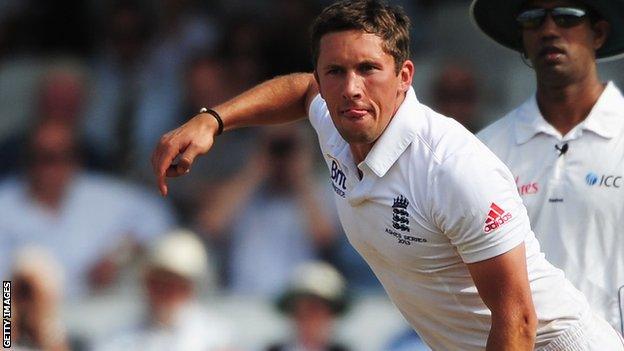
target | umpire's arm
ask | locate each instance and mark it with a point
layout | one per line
(504, 287)
(279, 100)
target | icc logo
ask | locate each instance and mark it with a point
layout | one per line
(608, 181)
(591, 178)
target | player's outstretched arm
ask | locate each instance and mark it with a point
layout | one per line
(278, 100)
(503, 284)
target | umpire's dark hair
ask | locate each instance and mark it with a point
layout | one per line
(390, 23)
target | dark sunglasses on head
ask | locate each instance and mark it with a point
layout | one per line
(564, 17)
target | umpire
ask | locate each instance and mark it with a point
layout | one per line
(564, 145)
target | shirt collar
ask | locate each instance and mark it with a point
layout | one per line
(397, 136)
(604, 119)
(530, 122)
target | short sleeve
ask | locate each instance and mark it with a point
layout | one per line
(475, 203)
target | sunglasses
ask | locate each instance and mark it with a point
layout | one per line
(564, 17)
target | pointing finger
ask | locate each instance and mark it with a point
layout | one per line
(166, 157)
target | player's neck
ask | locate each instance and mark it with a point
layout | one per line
(360, 150)
(566, 106)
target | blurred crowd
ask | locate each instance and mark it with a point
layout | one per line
(86, 90)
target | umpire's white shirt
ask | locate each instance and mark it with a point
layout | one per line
(575, 200)
(433, 198)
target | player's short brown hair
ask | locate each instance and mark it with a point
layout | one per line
(390, 23)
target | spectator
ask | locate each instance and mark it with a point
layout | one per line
(314, 298)
(208, 82)
(37, 289)
(271, 213)
(455, 94)
(140, 77)
(60, 98)
(83, 219)
(175, 267)
(117, 79)
(239, 45)
(182, 32)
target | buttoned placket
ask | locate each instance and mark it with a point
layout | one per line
(362, 188)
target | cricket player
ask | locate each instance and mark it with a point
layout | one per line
(565, 144)
(434, 212)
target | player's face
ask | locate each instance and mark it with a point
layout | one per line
(358, 80)
(562, 53)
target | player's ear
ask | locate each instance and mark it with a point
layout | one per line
(406, 73)
(318, 83)
(601, 32)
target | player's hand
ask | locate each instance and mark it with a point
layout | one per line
(185, 143)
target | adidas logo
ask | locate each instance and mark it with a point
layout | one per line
(496, 218)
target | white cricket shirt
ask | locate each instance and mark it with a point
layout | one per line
(575, 200)
(433, 198)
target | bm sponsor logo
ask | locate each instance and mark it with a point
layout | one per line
(338, 178)
(608, 181)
